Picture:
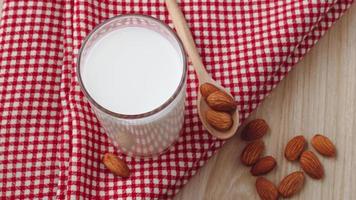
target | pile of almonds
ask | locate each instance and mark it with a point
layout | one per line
(252, 156)
(295, 150)
(221, 104)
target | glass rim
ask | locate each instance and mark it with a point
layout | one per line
(145, 114)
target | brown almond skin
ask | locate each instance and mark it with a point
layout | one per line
(263, 166)
(323, 145)
(116, 165)
(220, 101)
(311, 165)
(266, 189)
(207, 88)
(219, 120)
(291, 184)
(252, 152)
(295, 148)
(254, 130)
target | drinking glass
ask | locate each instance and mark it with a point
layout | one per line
(149, 133)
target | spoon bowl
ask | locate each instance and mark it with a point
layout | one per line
(203, 107)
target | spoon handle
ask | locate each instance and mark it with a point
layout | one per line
(186, 37)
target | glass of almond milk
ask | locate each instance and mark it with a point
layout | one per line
(132, 69)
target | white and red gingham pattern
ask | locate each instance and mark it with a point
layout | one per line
(50, 141)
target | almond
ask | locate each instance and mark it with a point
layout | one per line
(254, 130)
(294, 148)
(266, 189)
(219, 120)
(323, 145)
(311, 165)
(116, 165)
(252, 152)
(207, 88)
(263, 166)
(291, 184)
(221, 101)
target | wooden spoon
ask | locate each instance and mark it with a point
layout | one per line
(185, 35)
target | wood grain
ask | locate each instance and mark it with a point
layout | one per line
(319, 96)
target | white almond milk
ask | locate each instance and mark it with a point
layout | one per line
(132, 69)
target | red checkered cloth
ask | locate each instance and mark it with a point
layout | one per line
(51, 143)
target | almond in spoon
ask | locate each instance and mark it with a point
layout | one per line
(219, 120)
(221, 101)
(207, 88)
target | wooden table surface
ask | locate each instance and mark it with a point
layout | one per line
(319, 96)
